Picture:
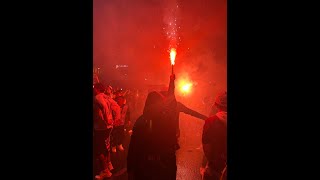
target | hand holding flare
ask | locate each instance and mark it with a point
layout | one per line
(172, 77)
(173, 54)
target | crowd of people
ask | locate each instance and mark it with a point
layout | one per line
(150, 120)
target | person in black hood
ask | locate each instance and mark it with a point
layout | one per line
(151, 153)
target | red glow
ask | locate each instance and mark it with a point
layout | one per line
(184, 86)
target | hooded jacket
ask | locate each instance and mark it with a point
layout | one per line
(153, 132)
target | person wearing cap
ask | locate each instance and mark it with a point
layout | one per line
(214, 140)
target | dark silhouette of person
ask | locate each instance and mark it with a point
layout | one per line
(214, 140)
(151, 154)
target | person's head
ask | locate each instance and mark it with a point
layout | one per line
(98, 88)
(120, 100)
(154, 103)
(108, 90)
(221, 101)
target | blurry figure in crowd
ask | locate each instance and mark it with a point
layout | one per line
(213, 111)
(102, 127)
(119, 125)
(214, 140)
(108, 92)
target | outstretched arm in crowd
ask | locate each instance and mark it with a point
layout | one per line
(186, 110)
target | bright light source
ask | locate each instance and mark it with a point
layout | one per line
(184, 86)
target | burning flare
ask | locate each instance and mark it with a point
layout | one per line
(173, 54)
